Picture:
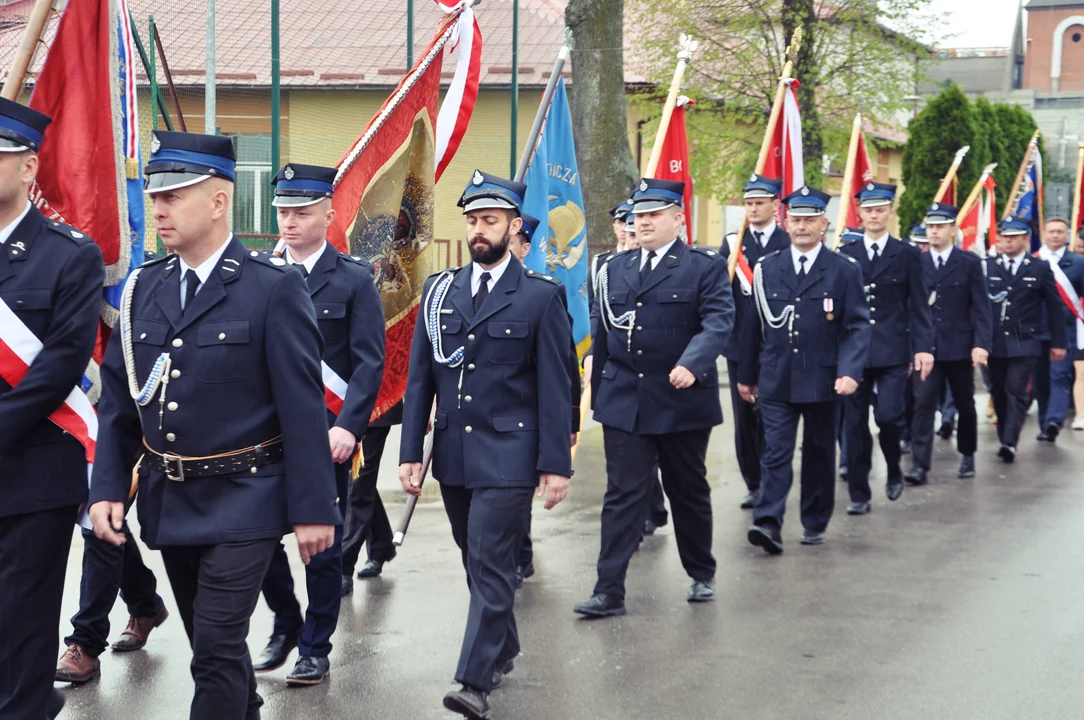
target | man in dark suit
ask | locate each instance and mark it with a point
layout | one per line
(214, 376)
(351, 320)
(806, 345)
(658, 329)
(962, 328)
(902, 339)
(51, 278)
(1029, 320)
(762, 237)
(491, 347)
(1054, 381)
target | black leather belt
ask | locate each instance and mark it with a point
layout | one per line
(179, 468)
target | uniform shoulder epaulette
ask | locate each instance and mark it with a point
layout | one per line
(848, 241)
(157, 261)
(267, 258)
(80, 238)
(452, 270)
(354, 259)
(704, 251)
(848, 257)
(540, 276)
(772, 254)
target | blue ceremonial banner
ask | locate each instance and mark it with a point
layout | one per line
(559, 247)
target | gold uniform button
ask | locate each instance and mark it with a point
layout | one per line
(172, 406)
(175, 374)
(170, 437)
(177, 342)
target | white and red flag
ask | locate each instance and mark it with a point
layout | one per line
(674, 160)
(458, 105)
(979, 222)
(1067, 293)
(785, 161)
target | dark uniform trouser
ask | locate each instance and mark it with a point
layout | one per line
(107, 569)
(888, 411)
(630, 462)
(216, 588)
(960, 376)
(1053, 387)
(323, 580)
(818, 473)
(366, 520)
(748, 431)
(487, 525)
(1009, 386)
(33, 557)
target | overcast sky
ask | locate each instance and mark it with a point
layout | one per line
(976, 23)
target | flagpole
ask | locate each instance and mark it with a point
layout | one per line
(544, 107)
(946, 183)
(848, 178)
(1076, 187)
(35, 26)
(973, 196)
(685, 54)
(769, 132)
(1020, 174)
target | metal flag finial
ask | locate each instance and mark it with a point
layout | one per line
(961, 152)
(795, 45)
(570, 41)
(687, 47)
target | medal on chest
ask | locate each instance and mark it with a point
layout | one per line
(829, 308)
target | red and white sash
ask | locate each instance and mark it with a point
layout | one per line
(334, 389)
(1068, 295)
(744, 273)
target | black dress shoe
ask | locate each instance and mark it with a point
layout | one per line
(945, 431)
(766, 537)
(967, 467)
(649, 527)
(843, 473)
(894, 489)
(1007, 453)
(277, 650)
(1053, 430)
(347, 587)
(309, 670)
(1043, 436)
(702, 591)
(468, 702)
(54, 704)
(523, 572)
(917, 476)
(905, 447)
(501, 672)
(750, 501)
(371, 569)
(601, 605)
(858, 508)
(812, 538)
(661, 519)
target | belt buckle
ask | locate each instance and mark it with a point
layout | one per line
(171, 458)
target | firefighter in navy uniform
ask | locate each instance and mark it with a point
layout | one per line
(763, 236)
(51, 280)
(491, 346)
(806, 344)
(351, 320)
(661, 320)
(213, 380)
(961, 314)
(902, 338)
(1028, 312)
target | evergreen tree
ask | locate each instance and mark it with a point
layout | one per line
(945, 125)
(989, 127)
(1017, 126)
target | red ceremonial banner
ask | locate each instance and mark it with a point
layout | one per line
(674, 160)
(861, 175)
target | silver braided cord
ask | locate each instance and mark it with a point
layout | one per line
(159, 375)
(432, 307)
(998, 298)
(764, 310)
(627, 320)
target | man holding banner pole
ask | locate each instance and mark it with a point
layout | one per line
(51, 280)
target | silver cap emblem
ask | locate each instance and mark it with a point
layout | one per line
(156, 144)
(478, 179)
(288, 173)
(643, 185)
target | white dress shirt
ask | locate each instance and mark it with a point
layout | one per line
(1013, 263)
(658, 254)
(940, 257)
(765, 234)
(203, 271)
(6, 232)
(811, 257)
(1046, 253)
(881, 242)
(494, 275)
(310, 262)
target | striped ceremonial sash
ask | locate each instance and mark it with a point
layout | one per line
(1068, 296)
(334, 389)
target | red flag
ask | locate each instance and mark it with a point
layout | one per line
(674, 160)
(861, 174)
(785, 161)
(81, 175)
(384, 207)
(980, 222)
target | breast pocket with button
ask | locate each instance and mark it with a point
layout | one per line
(148, 343)
(220, 358)
(331, 318)
(507, 342)
(676, 304)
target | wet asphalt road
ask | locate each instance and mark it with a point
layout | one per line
(962, 600)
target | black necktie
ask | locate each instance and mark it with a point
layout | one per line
(801, 267)
(646, 269)
(483, 291)
(303, 269)
(191, 286)
(876, 252)
(757, 235)
(940, 263)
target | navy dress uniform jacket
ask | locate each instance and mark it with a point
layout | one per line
(801, 366)
(246, 369)
(504, 415)
(684, 316)
(961, 308)
(1030, 312)
(51, 277)
(744, 310)
(351, 319)
(899, 307)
